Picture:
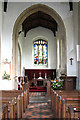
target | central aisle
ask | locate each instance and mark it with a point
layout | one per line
(39, 106)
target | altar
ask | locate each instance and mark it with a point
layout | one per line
(39, 82)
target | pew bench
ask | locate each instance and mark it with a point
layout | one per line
(12, 106)
(4, 111)
(15, 93)
(16, 102)
(63, 101)
(74, 111)
(58, 98)
(21, 102)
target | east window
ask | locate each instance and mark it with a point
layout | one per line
(40, 52)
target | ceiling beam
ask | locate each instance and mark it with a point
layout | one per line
(30, 19)
(39, 19)
(5, 5)
(71, 6)
(39, 22)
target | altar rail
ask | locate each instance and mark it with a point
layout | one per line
(49, 73)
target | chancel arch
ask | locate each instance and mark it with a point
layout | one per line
(20, 20)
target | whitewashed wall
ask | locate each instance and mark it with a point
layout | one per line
(71, 69)
(4, 84)
(0, 34)
(27, 47)
(15, 9)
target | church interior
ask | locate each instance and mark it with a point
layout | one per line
(39, 60)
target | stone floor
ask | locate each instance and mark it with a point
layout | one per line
(39, 107)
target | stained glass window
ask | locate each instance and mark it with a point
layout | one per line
(40, 52)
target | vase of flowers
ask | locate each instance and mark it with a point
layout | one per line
(57, 84)
(6, 76)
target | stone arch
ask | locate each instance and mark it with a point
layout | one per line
(19, 21)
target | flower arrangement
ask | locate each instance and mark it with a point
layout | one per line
(57, 83)
(6, 76)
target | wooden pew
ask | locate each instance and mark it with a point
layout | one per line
(25, 99)
(66, 103)
(4, 111)
(74, 112)
(61, 98)
(16, 93)
(55, 93)
(13, 108)
(21, 102)
(26, 86)
(48, 87)
(57, 101)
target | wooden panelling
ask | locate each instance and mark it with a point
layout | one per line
(69, 82)
(50, 73)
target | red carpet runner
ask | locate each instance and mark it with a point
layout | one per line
(37, 89)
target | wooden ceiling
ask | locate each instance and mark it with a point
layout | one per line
(39, 19)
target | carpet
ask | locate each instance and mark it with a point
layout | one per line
(39, 111)
(37, 89)
(39, 107)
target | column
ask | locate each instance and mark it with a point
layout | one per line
(79, 43)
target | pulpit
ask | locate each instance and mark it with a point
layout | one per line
(69, 83)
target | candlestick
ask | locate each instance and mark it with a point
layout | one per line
(34, 75)
(45, 75)
(53, 75)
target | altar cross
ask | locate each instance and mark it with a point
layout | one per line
(39, 74)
